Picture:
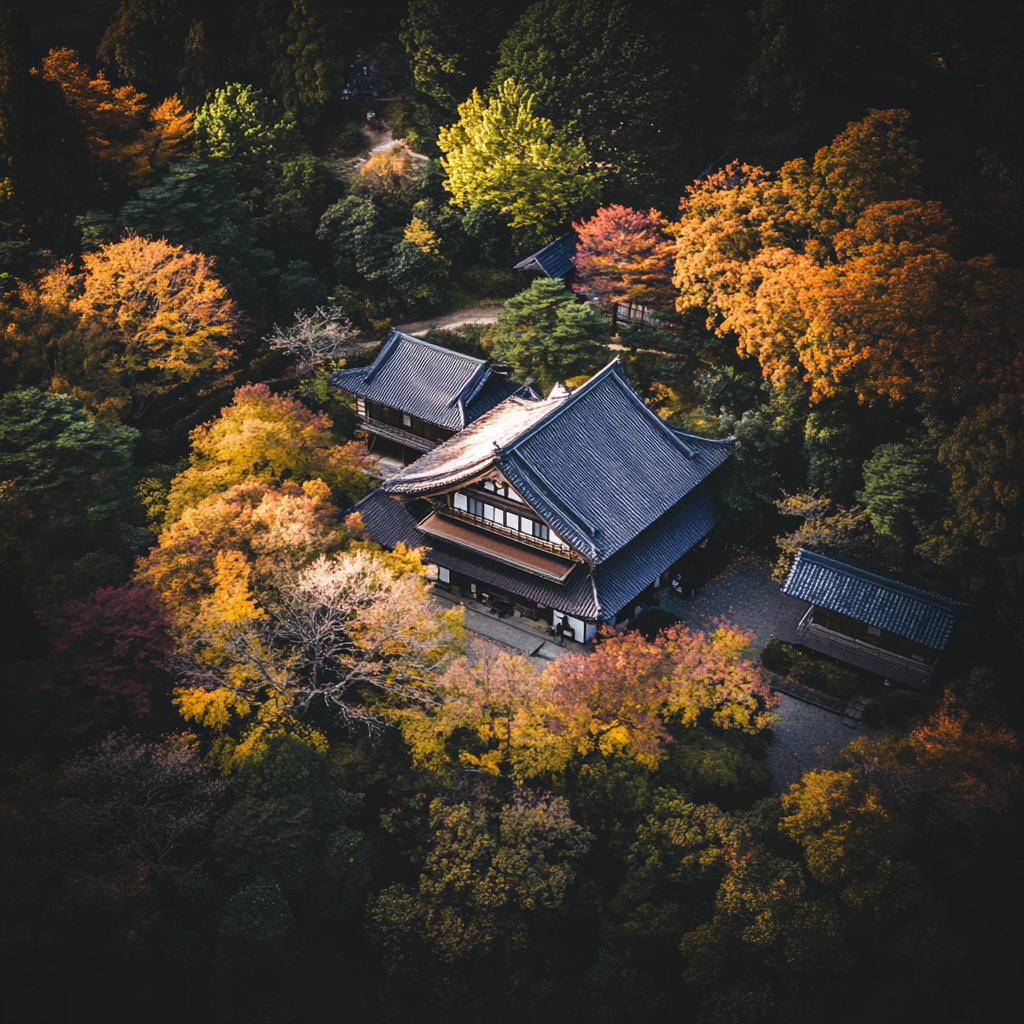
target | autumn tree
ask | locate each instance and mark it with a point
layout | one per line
(826, 527)
(271, 530)
(105, 668)
(502, 155)
(619, 698)
(624, 258)
(499, 717)
(851, 843)
(490, 717)
(271, 438)
(489, 884)
(165, 315)
(42, 151)
(130, 143)
(836, 275)
(345, 635)
(545, 333)
(950, 778)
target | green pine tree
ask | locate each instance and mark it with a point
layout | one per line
(545, 333)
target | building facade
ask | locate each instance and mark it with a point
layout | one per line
(568, 509)
(869, 620)
(415, 395)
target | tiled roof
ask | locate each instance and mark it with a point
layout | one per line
(597, 464)
(884, 603)
(555, 259)
(424, 380)
(591, 596)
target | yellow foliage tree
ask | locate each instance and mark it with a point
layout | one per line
(164, 314)
(501, 154)
(276, 530)
(268, 437)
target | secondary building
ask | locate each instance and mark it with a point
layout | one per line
(415, 395)
(555, 260)
(569, 508)
(868, 620)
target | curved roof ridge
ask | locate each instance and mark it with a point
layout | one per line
(564, 402)
(439, 348)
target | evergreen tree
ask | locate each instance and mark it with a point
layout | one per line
(452, 46)
(609, 73)
(195, 205)
(199, 73)
(546, 334)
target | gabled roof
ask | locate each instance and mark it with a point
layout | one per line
(591, 596)
(919, 615)
(596, 464)
(555, 259)
(427, 381)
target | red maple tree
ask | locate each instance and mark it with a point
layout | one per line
(624, 257)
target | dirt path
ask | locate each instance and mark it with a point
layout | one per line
(475, 315)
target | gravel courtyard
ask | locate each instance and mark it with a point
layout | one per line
(807, 737)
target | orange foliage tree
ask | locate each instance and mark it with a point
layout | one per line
(272, 530)
(624, 257)
(500, 717)
(164, 314)
(620, 697)
(949, 772)
(143, 318)
(131, 144)
(835, 274)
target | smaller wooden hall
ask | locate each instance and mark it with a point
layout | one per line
(415, 395)
(868, 620)
(555, 260)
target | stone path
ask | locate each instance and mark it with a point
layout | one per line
(807, 737)
(474, 315)
(745, 594)
(522, 641)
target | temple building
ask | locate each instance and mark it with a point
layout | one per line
(415, 395)
(555, 260)
(569, 508)
(869, 620)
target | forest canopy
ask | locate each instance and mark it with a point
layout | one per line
(257, 766)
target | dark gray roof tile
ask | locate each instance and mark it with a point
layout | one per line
(425, 380)
(919, 615)
(555, 259)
